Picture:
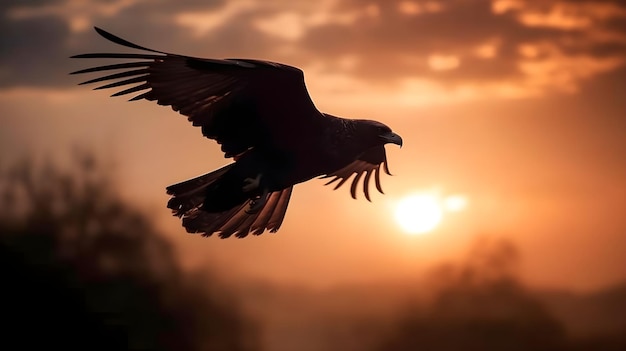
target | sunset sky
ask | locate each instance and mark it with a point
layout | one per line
(516, 106)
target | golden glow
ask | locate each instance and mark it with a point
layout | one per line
(487, 50)
(286, 25)
(455, 203)
(79, 14)
(555, 19)
(202, 22)
(500, 7)
(528, 50)
(419, 214)
(433, 6)
(443, 62)
(293, 25)
(568, 16)
(372, 10)
(409, 8)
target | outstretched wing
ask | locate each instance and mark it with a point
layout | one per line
(240, 103)
(367, 163)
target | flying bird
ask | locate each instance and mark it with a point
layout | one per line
(261, 114)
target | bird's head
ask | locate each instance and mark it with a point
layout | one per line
(374, 133)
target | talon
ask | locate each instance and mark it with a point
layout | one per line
(251, 184)
(258, 203)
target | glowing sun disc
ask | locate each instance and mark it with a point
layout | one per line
(418, 214)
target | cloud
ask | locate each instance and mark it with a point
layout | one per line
(39, 36)
(77, 13)
(503, 47)
(28, 49)
(481, 42)
(210, 19)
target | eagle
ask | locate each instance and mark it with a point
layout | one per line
(262, 116)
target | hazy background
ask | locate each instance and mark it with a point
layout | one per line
(516, 105)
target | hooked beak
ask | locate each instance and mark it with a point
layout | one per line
(393, 138)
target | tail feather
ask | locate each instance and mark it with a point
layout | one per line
(195, 183)
(262, 221)
(189, 197)
(278, 215)
(190, 194)
(239, 224)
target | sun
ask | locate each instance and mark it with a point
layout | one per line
(419, 214)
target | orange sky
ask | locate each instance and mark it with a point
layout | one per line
(517, 105)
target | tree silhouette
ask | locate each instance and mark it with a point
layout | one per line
(81, 269)
(478, 305)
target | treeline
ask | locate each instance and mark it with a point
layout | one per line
(480, 304)
(82, 270)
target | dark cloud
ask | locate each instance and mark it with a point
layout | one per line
(395, 44)
(29, 51)
(384, 43)
(35, 48)
(9, 4)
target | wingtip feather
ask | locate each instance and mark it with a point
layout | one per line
(366, 185)
(377, 179)
(386, 167)
(117, 40)
(354, 185)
